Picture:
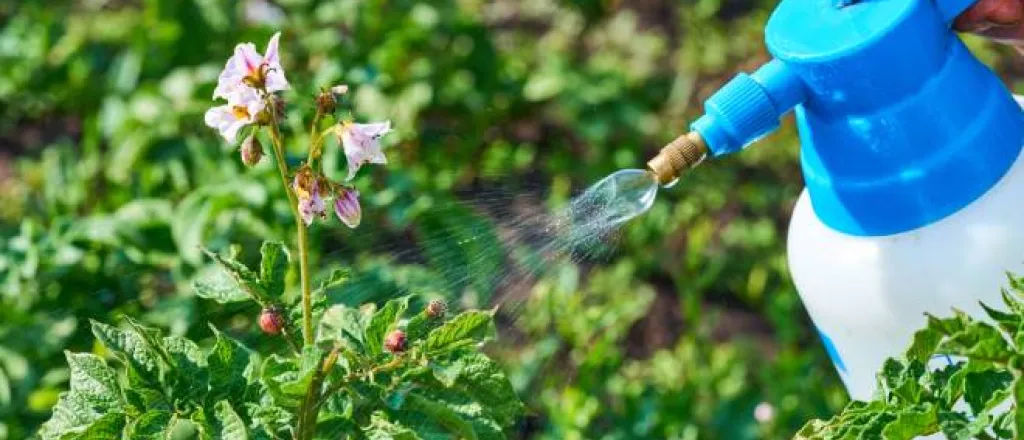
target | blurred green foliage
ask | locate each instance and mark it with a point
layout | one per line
(109, 182)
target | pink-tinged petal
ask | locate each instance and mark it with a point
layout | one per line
(355, 159)
(274, 72)
(356, 153)
(376, 154)
(311, 207)
(306, 211)
(247, 59)
(276, 81)
(273, 57)
(374, 130)
(362, 144)
(229, 79)
(346, 207)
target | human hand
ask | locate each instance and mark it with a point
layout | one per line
(1000, 20)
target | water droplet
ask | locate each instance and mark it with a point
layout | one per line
(671, 184)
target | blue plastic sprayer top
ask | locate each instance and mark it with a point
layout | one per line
(900, 125)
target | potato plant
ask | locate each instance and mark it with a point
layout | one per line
(974, 392)
(337, 371)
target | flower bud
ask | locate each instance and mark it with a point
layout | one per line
(271, 321)
(346, 207)
(252, 150)
(395, 341)
(436, 309)
(325, 102)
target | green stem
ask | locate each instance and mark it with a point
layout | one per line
(313, 138)
(282, 166)
(307, 296)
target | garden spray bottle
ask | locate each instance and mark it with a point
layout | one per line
(914, 199)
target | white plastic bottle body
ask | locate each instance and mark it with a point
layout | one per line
(868, 295)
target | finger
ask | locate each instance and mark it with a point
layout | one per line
(1004, 34)
(990, 12)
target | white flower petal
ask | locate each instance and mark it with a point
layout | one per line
(249, 98)
(311, 207)
(362, 144)
(229, 79)
(247, 59)
(274, 73)
(224, 120)
(276, 80)
(241, 64)
(272, 47)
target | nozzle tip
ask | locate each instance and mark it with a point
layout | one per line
(683, 153)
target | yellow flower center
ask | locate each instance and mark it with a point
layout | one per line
(240, 112)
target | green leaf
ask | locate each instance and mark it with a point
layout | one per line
(381, 428)
(144, 399)
(342, 324)
(974, 339)
(984, 389)
(275, 372)
(954, 425)
(382, 323)
(483, 379)
(1018, 411)
(132, 348)
(225, 424)
(153, 425)
(947, 383)
(420, 325)
(924, 343)
(221, 287)
(467, 328)
(440, 414)
(274, 267)
(335, 426)
(1009, 322)
(107, 427)
(287, 379)
(902, 380)
(230, 365)
(309, 362)
(189, 378)
(337, 277)
(268, 417)
(94, 382)
(911, 422)
(245, 277)
(73, 413)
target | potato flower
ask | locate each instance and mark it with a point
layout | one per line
(243, 108)
(362, 143)
(247, 68)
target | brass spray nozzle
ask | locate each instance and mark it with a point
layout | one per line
(679, 156)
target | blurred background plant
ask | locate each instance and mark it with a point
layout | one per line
(691, 328)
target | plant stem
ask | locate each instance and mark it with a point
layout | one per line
(307, 296)
(282, 166)
(313, 138)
